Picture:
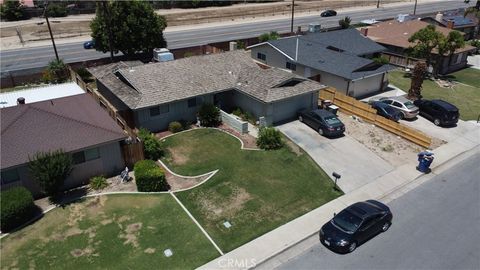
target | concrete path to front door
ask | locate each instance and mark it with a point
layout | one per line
(356, 164)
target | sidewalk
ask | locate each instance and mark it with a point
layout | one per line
(258, 252)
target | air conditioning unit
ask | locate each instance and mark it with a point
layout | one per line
(314, 28)
(162, 55)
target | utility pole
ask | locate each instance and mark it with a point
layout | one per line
(293, 11)
(50, 31)
(110, 34)
(415, 8)
(378, 3)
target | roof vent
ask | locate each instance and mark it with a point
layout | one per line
(20, 100)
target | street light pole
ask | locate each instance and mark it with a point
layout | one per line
(293, 10)
(415, 8)
(50, 31)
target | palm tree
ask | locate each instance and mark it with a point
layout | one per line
(345, 22)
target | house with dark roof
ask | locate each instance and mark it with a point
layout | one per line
(155, 94)
(76, 124)
(394, 36)
(341, 59)
(456, 21)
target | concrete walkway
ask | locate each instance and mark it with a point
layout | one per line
(257, 252)
(474, 61)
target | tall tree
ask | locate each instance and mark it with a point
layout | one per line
(345, 22)
(135, 28)
(425, 40)
(13, 11)
(419, 71)
(447, 46)
(50, 169)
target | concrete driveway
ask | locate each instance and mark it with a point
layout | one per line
(354, 162)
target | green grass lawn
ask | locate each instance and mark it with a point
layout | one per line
(110, 232)
(465, 97)
(256, 191)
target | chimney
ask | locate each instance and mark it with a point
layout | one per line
(450, 24)
(233, 45)
(364, 31)
(20, 100)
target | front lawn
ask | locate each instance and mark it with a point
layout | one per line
(256, 191)
(465, 97)
(110, 232)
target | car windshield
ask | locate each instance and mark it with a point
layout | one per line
(347, 221)
(332, 120)
(409, 104)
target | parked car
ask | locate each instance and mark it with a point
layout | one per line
(438, 111)
(355, 225)
(387, 111)
(89, 44)
(400, 103)
(323, 121)
(328, 13)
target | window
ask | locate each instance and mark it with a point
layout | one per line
(192, 102)
(10, 176)
(262, 56)
(291, 66)
(397, 104)
(155, 111)
(87, 155)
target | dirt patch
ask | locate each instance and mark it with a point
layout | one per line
(77, 213)
(179, 155)
(295, 149)
(106, 221)
(123, 219)
(82, 252)
(73, 231)
(216, 207)
(131, 234)
(149, 250)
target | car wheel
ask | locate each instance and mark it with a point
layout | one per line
(436, 122)
(300, 118)
(320, 131)
(352, 247)
(402, 116)
(385, 226)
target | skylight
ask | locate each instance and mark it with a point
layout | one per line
(291, 82)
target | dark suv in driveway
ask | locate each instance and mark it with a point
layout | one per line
(323, 121)
(439, 111)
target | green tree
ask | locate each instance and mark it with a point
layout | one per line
(345, 22)
(13, 11)
(268, 36)
(425, 40)
(56, 10)
(447, 46)
(134, 25)
(50, 169)
(56, 72)
(152, 147)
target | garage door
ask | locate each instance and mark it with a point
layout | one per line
(287, 110)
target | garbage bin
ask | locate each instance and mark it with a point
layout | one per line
(425, 159)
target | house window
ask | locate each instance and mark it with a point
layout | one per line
(87, 155)
(10, 176)
(154, 111)
(192, 102)
(262, 56)
(291, 66)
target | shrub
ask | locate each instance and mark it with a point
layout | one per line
(17, 207)
(84, 74)
(175, 127)
(476, 43)
(149, 177)
(238, 112)
(13, 11)
(50, 169)
(382, 60)
(56, 10)
(56, 72)
(209, 115)
(98, 182)
(269, 138)
(151, 145)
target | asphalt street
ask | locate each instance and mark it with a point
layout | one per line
(435, 226)
(25, 58)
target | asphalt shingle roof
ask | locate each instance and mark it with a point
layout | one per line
(159, 83)
(69, 123)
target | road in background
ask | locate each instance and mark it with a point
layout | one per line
(435, 226)
(26, 58)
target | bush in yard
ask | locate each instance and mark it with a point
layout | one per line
(56, 72)
(149, 177)
(17, 207)
(175, 126)
(50, 169)
(209, 115)
(151, 145)
(56, 10)
(98, 182)
(269, 138)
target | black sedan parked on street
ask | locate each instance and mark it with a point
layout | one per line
(355, 225)
(328, 13)
(387, 111)
(323, 121)
(438, 111)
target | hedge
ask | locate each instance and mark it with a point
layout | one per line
(17, 207)
(149, 177)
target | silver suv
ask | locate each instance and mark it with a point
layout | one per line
(403, 105)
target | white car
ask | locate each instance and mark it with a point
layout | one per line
(402, 104)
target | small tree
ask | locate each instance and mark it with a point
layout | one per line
(151, 145)
(268, 36)
(382, 60)
(56, 72)
(425, 40)
(50, 169)
(419, 71)
(13, 11)
(209, 115)
(345, 22)
(56, 10)
(269, 139)
(17, 207)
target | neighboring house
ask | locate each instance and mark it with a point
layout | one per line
(468, 25)
(394, 36)
(76, 124)
(153, 95)
(340, 59)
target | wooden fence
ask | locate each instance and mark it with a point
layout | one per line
(352, 106)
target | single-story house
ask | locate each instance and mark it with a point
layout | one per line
(76, 124)
(341, 59)
(468, 25)
(394, 36)
(153, 95)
